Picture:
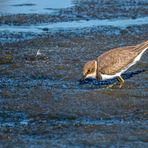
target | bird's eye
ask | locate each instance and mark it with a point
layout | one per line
(88, 70)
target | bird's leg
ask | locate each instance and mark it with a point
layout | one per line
(121, 80)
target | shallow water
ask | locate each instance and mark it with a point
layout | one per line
(43, 103)
(33, 6)
(120, 23)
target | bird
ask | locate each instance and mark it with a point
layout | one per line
(114, 62)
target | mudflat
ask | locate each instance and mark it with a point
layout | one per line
(42, 103)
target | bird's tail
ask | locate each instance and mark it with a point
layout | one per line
(140, 47)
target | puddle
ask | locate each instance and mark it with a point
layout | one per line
(120, 23)
(30, 28)
(33, 6)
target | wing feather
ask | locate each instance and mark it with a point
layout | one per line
(115, 60)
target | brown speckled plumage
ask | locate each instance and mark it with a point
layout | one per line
(114, 62)
(116, 59)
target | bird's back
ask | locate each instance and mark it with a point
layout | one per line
(116, 59)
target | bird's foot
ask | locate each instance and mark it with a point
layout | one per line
(120, 85)
(121, 81)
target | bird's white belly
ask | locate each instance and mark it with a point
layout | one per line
(105, 77)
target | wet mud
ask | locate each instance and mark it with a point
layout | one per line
(43, 103)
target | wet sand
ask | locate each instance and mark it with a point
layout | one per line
(42, 103)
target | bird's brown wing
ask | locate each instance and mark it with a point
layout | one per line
(115, 60)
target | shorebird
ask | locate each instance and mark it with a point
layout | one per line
(114, 62)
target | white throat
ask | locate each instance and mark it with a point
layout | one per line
(93, 75)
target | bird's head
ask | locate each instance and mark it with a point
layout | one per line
(89, 69)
